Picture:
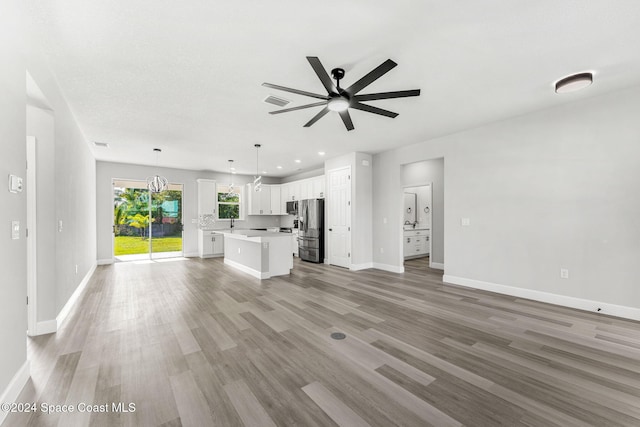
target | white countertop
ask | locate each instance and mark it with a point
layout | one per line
(253, 235)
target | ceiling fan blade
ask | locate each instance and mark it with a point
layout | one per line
(301, 107)
(373, 75)
(346, 118)
(387, 95)
(296, 91)
(317, 117)
(322, 74)
(374, 110)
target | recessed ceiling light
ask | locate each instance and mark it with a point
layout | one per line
(264, 172)
(574, 82)
(321, 153)
(298, 161)
(278, 167)
(233, 172)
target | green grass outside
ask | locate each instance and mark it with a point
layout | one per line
(130, 245)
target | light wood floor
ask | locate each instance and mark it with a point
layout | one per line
(196, 343)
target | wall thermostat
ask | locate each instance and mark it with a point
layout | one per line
(15, 184)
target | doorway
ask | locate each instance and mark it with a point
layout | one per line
(146, 225)
(425, 179)
(417, 226)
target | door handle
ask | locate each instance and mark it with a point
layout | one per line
(331, 229)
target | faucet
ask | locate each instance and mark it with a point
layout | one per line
(232, 225)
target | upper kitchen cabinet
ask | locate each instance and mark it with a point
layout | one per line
(206, 197)
(276, 200)
(285, 196)
(318, 187)
(264, 202)
(310, 188)
(294, 190)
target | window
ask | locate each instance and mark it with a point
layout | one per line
(229, 204)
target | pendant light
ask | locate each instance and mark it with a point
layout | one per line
(257, 179)
(230, 191)
(157, 183)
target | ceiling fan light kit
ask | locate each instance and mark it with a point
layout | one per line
(339, 99)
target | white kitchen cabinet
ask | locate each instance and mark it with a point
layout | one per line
(285, 196)
(265, 202)
(318, 184)
(210, 244)
(306, 189)
(206, 197)
(294, 191)
(416, 243)
(276, 197)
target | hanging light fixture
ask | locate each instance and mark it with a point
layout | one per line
(257, 179)
(230, 191)
(157, 183)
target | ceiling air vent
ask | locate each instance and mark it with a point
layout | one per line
(280, 102)
(101, 144)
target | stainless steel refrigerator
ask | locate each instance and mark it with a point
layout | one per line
(311, 230)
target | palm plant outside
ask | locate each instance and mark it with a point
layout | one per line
(131, 220)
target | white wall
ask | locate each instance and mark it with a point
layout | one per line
(424, 172)
(13, 253)
(75, 198)
(107, 171)
(546, 190)
(40, 123)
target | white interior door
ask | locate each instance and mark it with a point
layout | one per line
(339, 217)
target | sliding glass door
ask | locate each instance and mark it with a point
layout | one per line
(146, 225)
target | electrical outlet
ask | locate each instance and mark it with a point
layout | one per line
(384, 220)
(76, 268)
(238, 250)
(564, 273)
(60, 226)
(465, 222)
(381, 250)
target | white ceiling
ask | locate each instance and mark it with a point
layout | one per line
(185, 76)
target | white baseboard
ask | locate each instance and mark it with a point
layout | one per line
(388, 267)
(74, 297)
(364, 266)
(105, 261)
(563, 300)
(46, 327)
(15, 386)
(248, 270)
(191, 254)
(437, 265)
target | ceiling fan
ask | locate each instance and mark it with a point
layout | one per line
(339, 99)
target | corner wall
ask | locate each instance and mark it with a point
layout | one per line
(14, 370)
(548, 190)
(74, 188)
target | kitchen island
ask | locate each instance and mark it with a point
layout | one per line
(262, 254)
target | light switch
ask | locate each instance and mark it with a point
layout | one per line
(60, 226)
(465, 222)
(15, 230)
(15, 184)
